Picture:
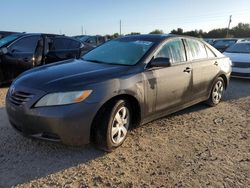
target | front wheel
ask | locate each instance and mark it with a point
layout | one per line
(217, 92)
(113, 124)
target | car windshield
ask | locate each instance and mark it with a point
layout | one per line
(224, 42)
(239, 48)
(8, 39)
(122, 52)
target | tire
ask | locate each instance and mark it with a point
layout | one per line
(112, 125)
(216, 92)
(1, 77)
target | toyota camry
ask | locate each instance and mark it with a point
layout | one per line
(115, 87)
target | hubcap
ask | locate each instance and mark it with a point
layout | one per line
(217, 92)
(120, 125)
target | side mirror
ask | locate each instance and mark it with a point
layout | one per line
(3, 51)
(160, 62)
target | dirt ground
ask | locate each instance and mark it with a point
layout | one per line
(197, 147)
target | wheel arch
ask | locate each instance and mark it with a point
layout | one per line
(136, 111)
(223, 76)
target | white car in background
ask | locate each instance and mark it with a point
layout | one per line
(239, 54)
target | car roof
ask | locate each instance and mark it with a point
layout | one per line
(153, 37)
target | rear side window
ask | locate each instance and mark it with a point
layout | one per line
(25, 45)
(174, 50)
(210, 54)
(196, 49)
(64, 44)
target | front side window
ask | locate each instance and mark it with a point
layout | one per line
(122, 52)
(174, 50)
(25, 45)
(196, 49)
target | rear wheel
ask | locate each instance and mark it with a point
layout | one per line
(113, 125)
(217, 92)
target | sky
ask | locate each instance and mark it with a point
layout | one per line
(71, 17)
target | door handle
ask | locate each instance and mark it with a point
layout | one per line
(216, 63)
(188, 70)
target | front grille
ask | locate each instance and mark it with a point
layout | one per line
(241, 64)
(18, 98)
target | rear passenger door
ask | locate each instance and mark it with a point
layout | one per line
(205, 67)
(62, 48)
(173, 83)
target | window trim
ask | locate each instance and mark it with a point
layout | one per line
(207, 48)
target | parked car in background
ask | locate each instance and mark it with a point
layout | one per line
(209, 41)
(91, 41)
(116, 86)
(223, 44)
(6, 33)
(20, 52)
(239, 54)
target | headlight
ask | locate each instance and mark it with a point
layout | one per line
(55, 99)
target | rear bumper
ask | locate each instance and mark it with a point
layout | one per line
(69, 124)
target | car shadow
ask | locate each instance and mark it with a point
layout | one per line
(24, 159)
(5, 85)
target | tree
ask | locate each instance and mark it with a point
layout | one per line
(241, 30)
(157, 31)
(115, 35)
(179, 31)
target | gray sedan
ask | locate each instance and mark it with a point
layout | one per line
(115, 87)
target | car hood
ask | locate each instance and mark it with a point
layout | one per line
(238, 57)
(68, 75)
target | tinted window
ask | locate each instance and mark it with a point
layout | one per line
(196, 49)
(92, 40)
(122, 52)
(219, 43)
(239, 48)
(174, 50)
(27, 44)
(210, 54)
(64, 44)
(8, 39)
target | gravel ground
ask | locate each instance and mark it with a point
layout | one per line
(197, 147)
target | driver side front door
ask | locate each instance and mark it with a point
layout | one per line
(174, 83)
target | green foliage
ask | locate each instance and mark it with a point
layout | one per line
(157, 31)
(239, 31)
(134, 33)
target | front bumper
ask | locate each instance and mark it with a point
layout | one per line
(241, 72)
(70, 124)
